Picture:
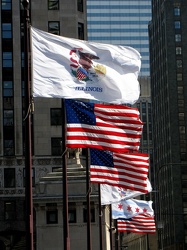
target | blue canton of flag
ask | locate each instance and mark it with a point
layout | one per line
(106, 159)
(79, 113)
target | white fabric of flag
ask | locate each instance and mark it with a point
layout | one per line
(112, 194)
(70, 68)
(129, 208)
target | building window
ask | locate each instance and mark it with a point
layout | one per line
(81, 31)
(92, 215)
(72, 215)
(177, 37)
(179, 63)
(177, 24)
(8, 119)
(7, 88)
(56, 148)
(53, 4)
(177, 11)
(8, 102)
(182, 129)
(178, 51)
(80, 5)
(9, 177)
(56, 116)
(8, 146)
(181, 116)
(179, 76)
(10, 210)
(6, 30)
(6, 4)
(7, 59)
(54, 28)
(51, 213)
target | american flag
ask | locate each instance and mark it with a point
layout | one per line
(127, 171)
(116, 128)
(140, 224)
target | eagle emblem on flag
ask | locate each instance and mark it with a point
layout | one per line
(83, 67)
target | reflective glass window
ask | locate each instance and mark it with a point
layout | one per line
(177, 37)
(7, 88)
(53, 4)
(6, 30)
(7, 59)
(177, 11)
(177, 24)
(6, 4)
(54, 27)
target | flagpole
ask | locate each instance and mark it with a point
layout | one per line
(111, 233)
(89, 243)
(116, 236)
(65, 184)
(100, 219)
(28, 153)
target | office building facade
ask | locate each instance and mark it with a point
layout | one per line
(168, 60)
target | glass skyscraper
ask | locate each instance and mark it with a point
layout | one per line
(121, 22)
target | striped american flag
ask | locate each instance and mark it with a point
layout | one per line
(129, 171)
(140, 224)
(116, 128)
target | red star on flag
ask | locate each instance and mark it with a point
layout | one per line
(129, 208)
(137, 210)
(145, 210)
(120, 206)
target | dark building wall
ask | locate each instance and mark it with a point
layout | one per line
(168, 92)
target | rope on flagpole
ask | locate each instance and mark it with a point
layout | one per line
(89, 191)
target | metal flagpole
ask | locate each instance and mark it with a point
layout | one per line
(28, 153)
(65, 183)
(100, 219)
(89, 243)
(111, 233)
(116, 236)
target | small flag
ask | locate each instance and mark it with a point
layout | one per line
(129, 208)
(112, 194)
(108, 127)
(70, 68)
(127, 171)
(140, 224)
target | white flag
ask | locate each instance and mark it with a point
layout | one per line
(112, 194)
(129, 208)
(70, 68)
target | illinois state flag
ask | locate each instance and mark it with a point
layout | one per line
(108, 127)
(140, 224)
(112, 194)
(70, 68)
(127, 171)
(129, 208)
